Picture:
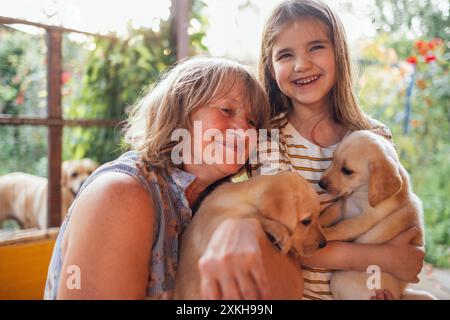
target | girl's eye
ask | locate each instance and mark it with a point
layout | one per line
(283, 56)
(252, 123)
(346, 171)
(318, 47)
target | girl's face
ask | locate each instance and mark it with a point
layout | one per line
(304, 63)
(223, 125)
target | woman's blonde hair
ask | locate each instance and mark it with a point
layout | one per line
(192, 84)
(344, 108)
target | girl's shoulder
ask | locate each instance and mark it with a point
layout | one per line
(380, 129)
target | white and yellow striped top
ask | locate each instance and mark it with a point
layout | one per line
(299, 154)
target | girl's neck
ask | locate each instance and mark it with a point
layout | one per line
(316, 124)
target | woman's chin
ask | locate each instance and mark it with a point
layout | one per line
(229, 169)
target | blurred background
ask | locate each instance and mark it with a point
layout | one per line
(400, 50)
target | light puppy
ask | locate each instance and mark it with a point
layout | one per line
(23, 196)
(376, 204)
(287, 208)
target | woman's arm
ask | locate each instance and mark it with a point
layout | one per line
(109, 237)
(241, 263)
(397, 257)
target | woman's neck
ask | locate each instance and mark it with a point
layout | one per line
(200, 183)
(316, 124)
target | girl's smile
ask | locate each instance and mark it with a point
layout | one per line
(304, 63)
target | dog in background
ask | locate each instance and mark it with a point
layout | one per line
(23, 197)
(286, 206)
(376, 204)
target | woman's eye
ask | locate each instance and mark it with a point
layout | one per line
(227, 111)
(346, 171)
(252, 123)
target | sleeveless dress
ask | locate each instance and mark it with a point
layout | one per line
(172, 215)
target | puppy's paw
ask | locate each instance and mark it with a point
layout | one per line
(279, 233)
(330, 233)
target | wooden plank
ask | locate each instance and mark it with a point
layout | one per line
(27, 235)
(8, 20)
(33, 121)
(54, 71)
(179, 24)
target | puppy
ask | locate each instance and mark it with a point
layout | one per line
(285, 204)
(376, 204)
(23, 196)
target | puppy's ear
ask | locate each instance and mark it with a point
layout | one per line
(280, 206)
(384, 181)
(64, 169)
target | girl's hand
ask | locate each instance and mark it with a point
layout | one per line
(232, 265)
(382, 295)
(406, 259)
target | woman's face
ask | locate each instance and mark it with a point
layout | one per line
(220, 133)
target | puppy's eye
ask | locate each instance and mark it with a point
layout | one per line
(346, 171)
(306, 222)
(74, 175)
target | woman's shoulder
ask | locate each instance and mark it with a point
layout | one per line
(380, 128)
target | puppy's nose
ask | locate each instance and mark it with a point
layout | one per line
(323, 184)
(323, 244)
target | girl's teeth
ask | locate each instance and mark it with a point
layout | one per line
(306, 80)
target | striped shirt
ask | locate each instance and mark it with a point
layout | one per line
(295, 152)
(172, 215)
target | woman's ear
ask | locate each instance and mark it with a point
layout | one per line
(384, 181)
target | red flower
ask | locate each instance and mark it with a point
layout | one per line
(65, 77)
(412, 59)
(430, 58)
(420, 44)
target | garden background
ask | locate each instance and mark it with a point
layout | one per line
(402, 79)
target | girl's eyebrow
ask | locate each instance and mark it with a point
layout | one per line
(318, 41)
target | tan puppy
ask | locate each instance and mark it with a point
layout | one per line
(23, 196)
(376, 205)
(285, 204)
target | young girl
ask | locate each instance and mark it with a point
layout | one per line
(305, 70)
(120, 237)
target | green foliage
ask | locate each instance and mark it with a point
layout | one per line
(423, 144)
(22, 92)
(401, 17)
(117, 73)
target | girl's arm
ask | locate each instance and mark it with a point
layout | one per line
(397, 257)
(109, 238)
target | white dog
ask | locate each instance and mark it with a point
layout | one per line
(23, 196)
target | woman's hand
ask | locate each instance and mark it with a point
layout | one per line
(406, 259)
(232, 266)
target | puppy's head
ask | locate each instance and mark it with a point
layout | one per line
(291, 200)
(75, 172)
(364, 161)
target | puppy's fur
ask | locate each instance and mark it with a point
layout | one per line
(285, 204)
(23, 196)
(376, 204)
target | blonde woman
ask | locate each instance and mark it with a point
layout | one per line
(305, 70)
(120, 238)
